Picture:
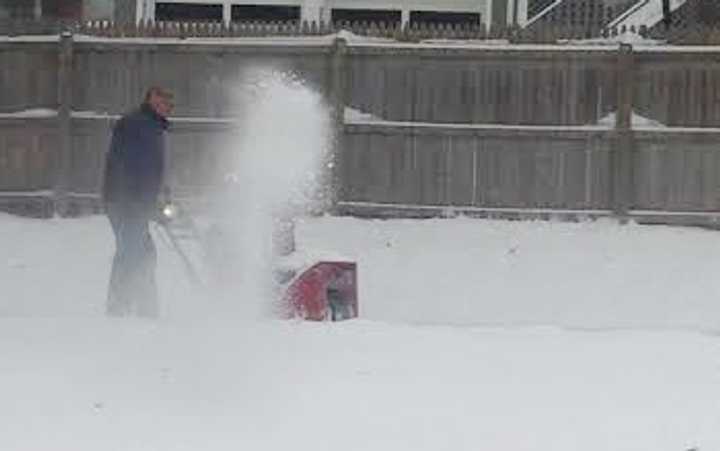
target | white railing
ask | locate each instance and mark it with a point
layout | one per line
(646, 12)
(542, 13)
(630, 11)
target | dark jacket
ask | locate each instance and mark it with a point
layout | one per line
(136, 162)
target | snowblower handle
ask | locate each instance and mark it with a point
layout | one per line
(166, 195)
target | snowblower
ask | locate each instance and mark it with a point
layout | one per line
(310, 288)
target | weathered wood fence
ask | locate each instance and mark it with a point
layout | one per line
(475, 128)
(489, 168)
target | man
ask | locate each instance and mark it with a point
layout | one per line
(131, 193)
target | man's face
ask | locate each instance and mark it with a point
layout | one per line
(162, 105)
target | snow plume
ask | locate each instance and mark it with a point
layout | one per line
(279, 160)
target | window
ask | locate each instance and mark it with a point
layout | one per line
(16, 11)
(188, 11)
(440, 17)
(366, 15)
(60, 9)
(265, 13)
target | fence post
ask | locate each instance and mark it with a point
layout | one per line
(622, 160)
(337, 100)
(64, 117)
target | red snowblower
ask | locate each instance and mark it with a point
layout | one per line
(322, 291)
(314, 289)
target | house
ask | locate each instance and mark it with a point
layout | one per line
(525, 13)
(388, 11)
(56, 9)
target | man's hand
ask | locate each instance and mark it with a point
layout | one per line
(166, 210)
(166, 213)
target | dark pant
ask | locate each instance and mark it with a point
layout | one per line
(132, 289)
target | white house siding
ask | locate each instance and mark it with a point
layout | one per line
(98, 9)
(321, 9)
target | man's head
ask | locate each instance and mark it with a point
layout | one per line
(160, 100)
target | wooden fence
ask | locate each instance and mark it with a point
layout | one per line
(512, 85)
(468, 127)
(481, 167)
(531, 168)
(411, 167)
(28, 75)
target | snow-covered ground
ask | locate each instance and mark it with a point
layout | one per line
(473, 335)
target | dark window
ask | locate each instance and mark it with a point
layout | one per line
(188, 11)
(61, 9)
(265, 13)
(440, 17)
(366, 15)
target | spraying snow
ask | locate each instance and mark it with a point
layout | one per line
(279, 151)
